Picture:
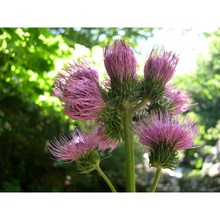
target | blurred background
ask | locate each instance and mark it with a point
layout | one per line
(31, 116)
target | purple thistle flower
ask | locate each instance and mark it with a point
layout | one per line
(179, 100)
(104, 141)
(72, 148)
(162, 131)
(80, 91)
(79, 144)
(160, 66)
(120, 61)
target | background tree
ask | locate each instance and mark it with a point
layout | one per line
(204, 85)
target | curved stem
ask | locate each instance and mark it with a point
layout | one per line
(156, 179)
(102, 174)
(129, 152)
(139, 105)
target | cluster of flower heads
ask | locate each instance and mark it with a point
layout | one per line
(84, 99)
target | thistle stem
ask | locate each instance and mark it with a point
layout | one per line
(139, 105)
(156, 179)
(102, 174)
(129, 152)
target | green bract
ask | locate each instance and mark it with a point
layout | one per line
(163, 157)
(112, 119)
(88, 162)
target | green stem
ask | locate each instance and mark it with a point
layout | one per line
(139, 105)
(156, 179)
(102, 174)
(129, 152)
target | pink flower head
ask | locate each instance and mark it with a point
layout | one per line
(162, 131)
(80, 91)
(119, 61)
(179, 100)
(104, 141)
(71, 149)
(160, 66)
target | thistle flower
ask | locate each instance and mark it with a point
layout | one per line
(79, 88)
(73, 147)
(79, 144)
(179, 100)
(162, 130)
(160, 66)
(104, 142)
(120, 62)
(163, 137)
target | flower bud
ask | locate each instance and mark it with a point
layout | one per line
(160, 66)
(120, 62)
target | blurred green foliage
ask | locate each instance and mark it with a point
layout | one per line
(204, 85)
(28, 113)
